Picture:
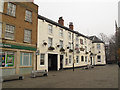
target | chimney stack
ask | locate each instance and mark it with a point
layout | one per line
(71, 26)
(61, 21)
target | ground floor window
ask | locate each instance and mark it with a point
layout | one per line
(26, 59)
(82, 58)
(42, 59)
(77, 59)
(6, 59)
(99, 58)
(70, 59)
(85, 58)
(66, 61)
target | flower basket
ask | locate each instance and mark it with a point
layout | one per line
(77, 51)
(82, 49)
(62, 50)
(86, 52)
(70, 50)
(51, 48)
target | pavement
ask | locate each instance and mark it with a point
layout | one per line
(97, 77)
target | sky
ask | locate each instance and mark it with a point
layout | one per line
(89, 17)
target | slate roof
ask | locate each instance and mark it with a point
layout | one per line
(95, 39)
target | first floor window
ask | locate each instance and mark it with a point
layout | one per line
(27, 35)
(26, 59)
(1, 5)
(42, 59)
(77, 59)
(70, 59)
(82, 58)
(50, 42)
(99, 58)
(6, 59)
(9, 32)
(50, 29)
(61, 44)
(0, 29)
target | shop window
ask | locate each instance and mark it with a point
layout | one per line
(66, 61)
(42, 59)
(11, 9)
(26, 59)
(6, 59)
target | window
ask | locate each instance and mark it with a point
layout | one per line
(81, 41)
(1, 5)
(61, 33)
(50, 30)
(77, 59)
(98, 46)
(85, 58)
(0, 29)
(6, 59)
(70, 59)
(66, 61)
(9, 32)
(69, 35)
(61, 44)
(50, 42)
(28, 16)
(11, 9)
(76, 38)
(76, 46)
(42, 59)
(99, 58)
(85, 48)
(26, 59)
(82, 58)
(70, 45)
(27, 35)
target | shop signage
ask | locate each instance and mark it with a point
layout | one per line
(16, 47)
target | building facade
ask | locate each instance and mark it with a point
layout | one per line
(61, 47)
(18, 37)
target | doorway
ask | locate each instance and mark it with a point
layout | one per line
(52, 62)
(91, 60)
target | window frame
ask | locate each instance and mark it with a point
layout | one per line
(28, 15)
(50, 29)
(10, 10)
(22, 54)
(28, 36)
(7, 30)
(42, 58)
(77, 59)
(82, 58)
(99, 60)
(50, 42)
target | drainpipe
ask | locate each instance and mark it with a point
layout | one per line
(73, 49)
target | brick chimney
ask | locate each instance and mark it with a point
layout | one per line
(61, 21)
(71, 26)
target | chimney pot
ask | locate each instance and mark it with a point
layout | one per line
(71, 26)
(61, 21)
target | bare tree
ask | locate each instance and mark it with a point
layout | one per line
(104, 38)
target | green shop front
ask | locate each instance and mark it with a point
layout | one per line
(15, 59)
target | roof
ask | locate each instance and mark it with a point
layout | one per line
(95, 39)
(57, 24)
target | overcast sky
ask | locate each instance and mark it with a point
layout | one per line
(90, 17)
